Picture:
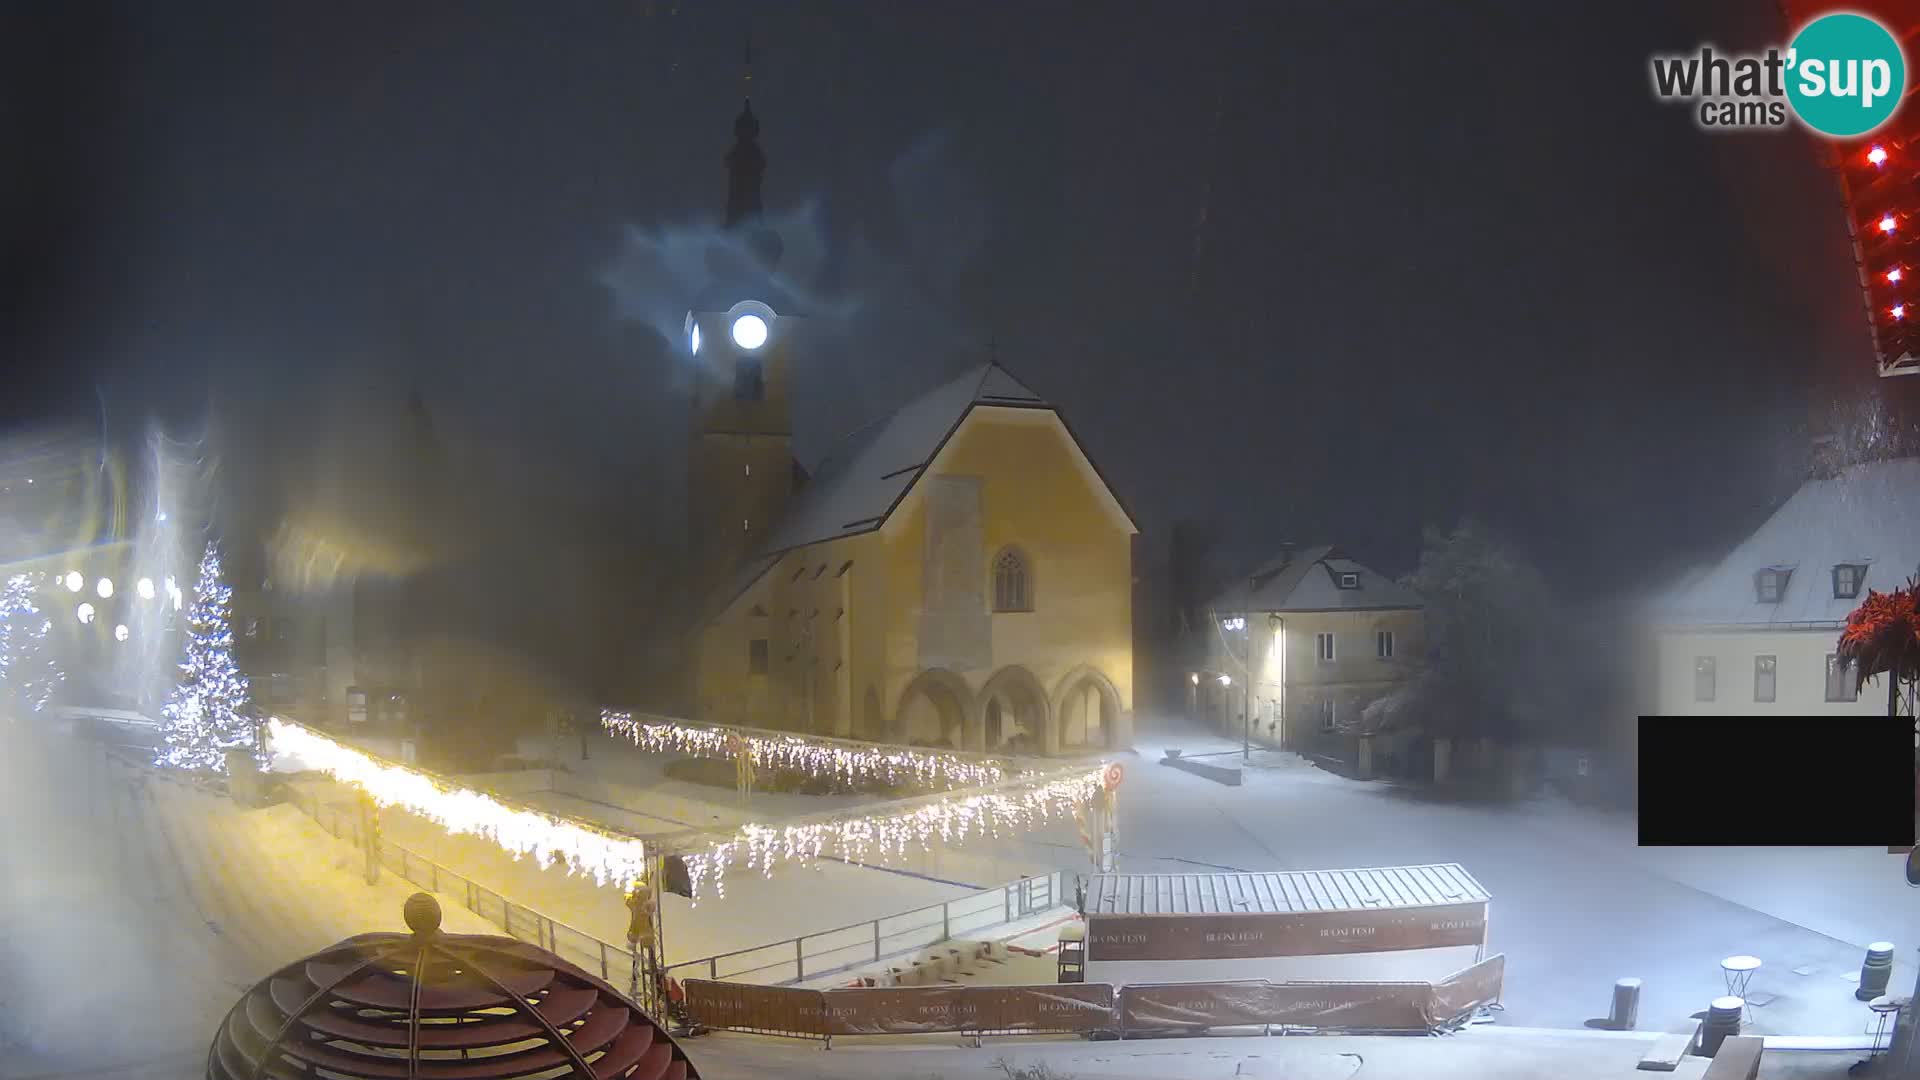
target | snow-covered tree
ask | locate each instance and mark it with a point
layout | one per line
(28, 672)
(209, 711)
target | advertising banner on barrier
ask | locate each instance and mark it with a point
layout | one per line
(1294, 933)
(896, 1010)
(1464, 991)
(756, 1008)
(1065, 1007)
(1159, 1006)
(1361, 1006)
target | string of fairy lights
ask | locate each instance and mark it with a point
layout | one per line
(932, 770)
(609, 858)
(1000, 808)
(1012, 807)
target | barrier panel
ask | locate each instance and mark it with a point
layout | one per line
(1464, 991)
(1292, 933)
(1080, 1008)
(1074, 1007)
(1177, 1006)
(1365, 1006)
(771, 1010)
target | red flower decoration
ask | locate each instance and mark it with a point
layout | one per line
(1883, 634)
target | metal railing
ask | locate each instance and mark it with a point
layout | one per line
(830, 952)
(809, 956)
(614, 963)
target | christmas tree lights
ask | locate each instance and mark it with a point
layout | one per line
(209, 711)
(28, 673)
(609, 858)
(844, 759)
(1008, 808)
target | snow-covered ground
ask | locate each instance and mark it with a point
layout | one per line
(1576, 905)
(134, 914)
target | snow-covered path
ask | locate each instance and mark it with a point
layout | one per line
(138, 911)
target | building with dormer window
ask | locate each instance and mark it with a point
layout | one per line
(1755, 632)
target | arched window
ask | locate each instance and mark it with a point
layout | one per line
(1012, 581)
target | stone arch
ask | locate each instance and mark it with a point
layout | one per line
(936, 707)
(1086, 708)
(873, 722)
(1015, 713)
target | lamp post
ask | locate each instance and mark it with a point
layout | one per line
(1246, 673)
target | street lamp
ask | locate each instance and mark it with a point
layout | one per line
(105, 588)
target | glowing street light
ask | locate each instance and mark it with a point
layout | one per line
(105, 588)
(120, 632)
(1195, 677)
(85, 612)
(145, 588)
(74, 581)
(1226, 680)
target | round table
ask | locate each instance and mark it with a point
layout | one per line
(1739, 973)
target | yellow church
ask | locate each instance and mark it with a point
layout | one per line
(957, 573)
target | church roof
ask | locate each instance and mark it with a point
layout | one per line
(865, 477)
(1308, 580)
(1867, 515)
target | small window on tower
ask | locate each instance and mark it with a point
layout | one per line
(748, 385)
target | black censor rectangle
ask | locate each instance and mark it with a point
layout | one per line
(1776, 781)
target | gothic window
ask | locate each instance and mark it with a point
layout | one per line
(1012, 581)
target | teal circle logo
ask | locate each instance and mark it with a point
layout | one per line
(1845, 75)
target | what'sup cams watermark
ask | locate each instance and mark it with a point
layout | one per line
(1843, 75)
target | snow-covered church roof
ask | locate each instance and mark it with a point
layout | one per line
(857, 486)
(1868, 515)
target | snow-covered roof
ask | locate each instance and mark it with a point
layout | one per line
(858, 484)
(865, 477)
(1309, 580)
(1867, 515)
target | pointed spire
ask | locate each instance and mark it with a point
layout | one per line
(746, 165)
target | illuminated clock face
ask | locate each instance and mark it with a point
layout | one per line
(749, 331)
(693, 340)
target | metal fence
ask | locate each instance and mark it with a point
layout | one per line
(615, 963)
(829, 952)
(806, 957)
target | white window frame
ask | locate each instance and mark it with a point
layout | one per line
(1383, 644)
(1324, 648)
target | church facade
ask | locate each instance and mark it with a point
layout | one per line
(957, 573)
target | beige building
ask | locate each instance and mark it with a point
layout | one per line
(1754, 633)
(1304, 645)
(956, 573)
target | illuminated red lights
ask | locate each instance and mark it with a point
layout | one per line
(1887, 224)
(1877, 155)
(1894, 275)
(1898, 311)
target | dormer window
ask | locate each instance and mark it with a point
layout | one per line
(1847, 578)
(1349, 580)
(1770, 585)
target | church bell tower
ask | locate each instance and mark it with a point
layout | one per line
(738, 340)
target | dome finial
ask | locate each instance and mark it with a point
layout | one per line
(422, 913)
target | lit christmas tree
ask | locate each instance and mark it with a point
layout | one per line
(209, 712)
(28, 673)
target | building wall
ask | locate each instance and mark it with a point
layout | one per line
(1291, 683)
(898, 637)
(297, 650)
(1800, 682)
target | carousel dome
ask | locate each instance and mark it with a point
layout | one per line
(429, 1005)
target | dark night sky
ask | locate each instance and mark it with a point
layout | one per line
(1316, 271)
